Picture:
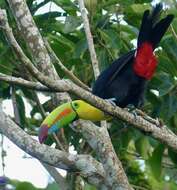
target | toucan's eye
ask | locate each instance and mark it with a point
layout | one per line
(76, 105)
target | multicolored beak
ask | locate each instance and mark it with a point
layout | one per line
(58, 118)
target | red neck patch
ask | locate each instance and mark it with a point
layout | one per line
(145, 61)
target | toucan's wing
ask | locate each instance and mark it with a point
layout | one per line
(118, 65)
(108, 75)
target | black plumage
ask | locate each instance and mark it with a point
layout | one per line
(119, 80)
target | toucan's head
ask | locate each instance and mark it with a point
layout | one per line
(67, 113)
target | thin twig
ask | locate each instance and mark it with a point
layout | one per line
(89, 38)
(64, 69)
(15, 107)
(173, 31)
(58, 142)
(25, 83)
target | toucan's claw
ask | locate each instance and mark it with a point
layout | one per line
(112, 101)
(132, 109)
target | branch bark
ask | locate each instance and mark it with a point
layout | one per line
(115, 176)
(31, 35)
(35, 43)
(25, 83)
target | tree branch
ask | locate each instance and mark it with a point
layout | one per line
(89, 168)
(35, 43)
(31, 35)
(89, 38)
(115, 176)
(25, 83)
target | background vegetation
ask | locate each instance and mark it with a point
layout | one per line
(114, 25)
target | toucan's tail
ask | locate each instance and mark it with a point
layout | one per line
(152, 28)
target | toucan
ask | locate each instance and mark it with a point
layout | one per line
(124, 81)
(67, 113)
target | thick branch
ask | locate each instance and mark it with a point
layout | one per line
(89, 38)
(31, 34)
(89, 168)
(115, 176)
(35, 42)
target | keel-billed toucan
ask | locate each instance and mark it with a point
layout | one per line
(67, 113)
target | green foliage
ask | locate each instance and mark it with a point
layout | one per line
(114, 25)
(155, 161)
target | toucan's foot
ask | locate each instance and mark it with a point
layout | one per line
(112, 101)
(132, 109)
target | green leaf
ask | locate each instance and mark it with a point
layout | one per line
(172, 155)
(53, 186)
(89, 187)
(25, 186)
(170, 47)
(80, 49)
(166, 83)
(155, 161)
(134, 12)
(169, 106)
(21, 110)
(166, 65)
(103, 59)
(142, 146)
(71, 23)
(67, 5)
(111, 38)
